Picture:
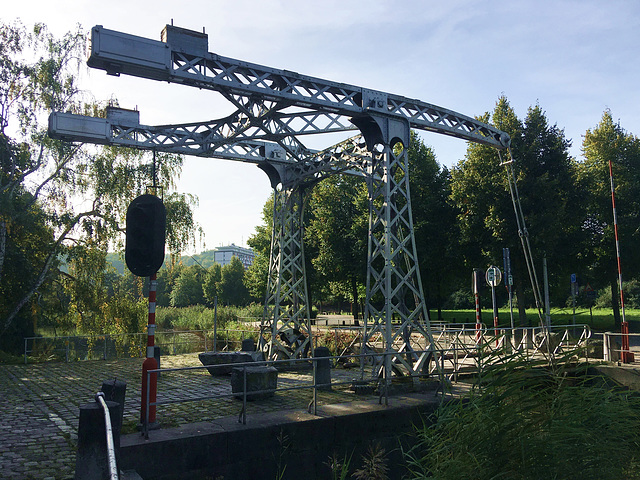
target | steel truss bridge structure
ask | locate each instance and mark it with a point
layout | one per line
(274, 111)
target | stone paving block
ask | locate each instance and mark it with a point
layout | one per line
(39, 412)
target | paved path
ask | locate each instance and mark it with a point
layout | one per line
(39, 406)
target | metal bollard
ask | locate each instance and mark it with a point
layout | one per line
(115, 391)
(323, 370)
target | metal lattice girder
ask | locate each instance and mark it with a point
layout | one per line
(183, 58)
(350, 157)
(286, 311)
(395, 306)
(216, 139)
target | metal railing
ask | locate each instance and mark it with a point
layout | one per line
(613, 352)
(456, 351)
(344, 340)
(464, 348)
(111, 449)
(289, 364)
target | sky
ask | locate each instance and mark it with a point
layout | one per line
(573, 58)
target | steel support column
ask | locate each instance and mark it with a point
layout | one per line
(395, 306)
(286, 310)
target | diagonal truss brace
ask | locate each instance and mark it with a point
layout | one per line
(286, 308)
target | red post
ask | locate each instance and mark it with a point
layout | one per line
(150, 362)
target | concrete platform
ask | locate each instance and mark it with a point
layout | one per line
(303, 442)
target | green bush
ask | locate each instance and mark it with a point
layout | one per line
(10, 358)
(460, 299)
(199, 317)
(631, 295)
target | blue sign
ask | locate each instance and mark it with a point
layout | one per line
(573, 278)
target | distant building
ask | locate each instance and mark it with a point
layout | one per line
(223, 255)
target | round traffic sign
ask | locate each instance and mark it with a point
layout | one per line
(493, 276)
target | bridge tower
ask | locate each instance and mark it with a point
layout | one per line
(274, 111)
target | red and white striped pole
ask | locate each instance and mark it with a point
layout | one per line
(150, 362)
(626, 357)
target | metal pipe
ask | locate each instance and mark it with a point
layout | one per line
(215, 323)
(146, 410)
(111, 449)
(315, 386)
(244, 395)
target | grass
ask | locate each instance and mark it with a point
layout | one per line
(527, 421)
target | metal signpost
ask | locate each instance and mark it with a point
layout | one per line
(508, 282)
(574, 292)
(475, 286)
(494, 277)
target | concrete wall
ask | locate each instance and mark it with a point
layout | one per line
(225, 449)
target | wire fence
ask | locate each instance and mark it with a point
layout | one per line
(339, 340)
(130, 345)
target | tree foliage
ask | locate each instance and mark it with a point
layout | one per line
(434, 221)
(61, 202)
(545, 176)
(231, 288)
(337, 231)
(609, 142)
(255, 278)
(187, 290)
(212, 279)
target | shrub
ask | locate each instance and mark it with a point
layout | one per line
(631, 295)
(199, 317)
(460, 299)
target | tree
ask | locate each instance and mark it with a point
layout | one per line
(187, 290)
(212, 279)
(609, 142)
(434, 221)
(25, 241)
(255, 278)
(337, 229)
(166, 281)
(545, 176)
(38, 75)
(551, 199)
(231, 288)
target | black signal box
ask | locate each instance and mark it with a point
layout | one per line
(145, 238)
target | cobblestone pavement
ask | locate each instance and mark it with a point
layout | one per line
(39, 406)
